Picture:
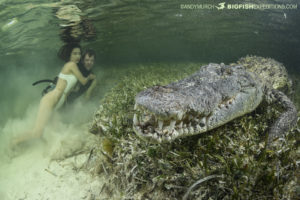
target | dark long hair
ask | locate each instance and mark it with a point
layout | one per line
(65, 51)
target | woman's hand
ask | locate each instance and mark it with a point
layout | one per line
(91, 77)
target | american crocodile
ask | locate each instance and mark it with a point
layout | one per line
(211, 97)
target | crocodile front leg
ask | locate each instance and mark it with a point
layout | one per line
(286, 120)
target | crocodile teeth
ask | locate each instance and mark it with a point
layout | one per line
(180, 131)
(180, 115)
(175, 133)
(159, 139)
(191, 130)
(185, 131)
(198, 128)
(138, 129)
(165, 131)
(203, 122)
(172, 125)
(202, 125)
(146, 118)
(160, 125)
(180, 125)
(135, 120)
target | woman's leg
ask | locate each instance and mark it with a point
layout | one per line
(44, 113)
(46, 107)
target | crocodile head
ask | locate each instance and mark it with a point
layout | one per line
(201, 102)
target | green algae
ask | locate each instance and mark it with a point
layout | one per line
(230, 162)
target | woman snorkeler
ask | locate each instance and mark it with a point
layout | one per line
(67, 79)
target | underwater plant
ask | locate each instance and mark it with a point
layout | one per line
(230, 162)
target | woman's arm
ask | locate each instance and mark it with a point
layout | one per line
(90, 89)
(74, 70)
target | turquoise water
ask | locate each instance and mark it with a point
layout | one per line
(148, 31)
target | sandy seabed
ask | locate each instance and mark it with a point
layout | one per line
(49, 170)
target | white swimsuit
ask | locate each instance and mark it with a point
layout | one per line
(71, 82)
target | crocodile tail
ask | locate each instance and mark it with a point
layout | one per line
(287, 120)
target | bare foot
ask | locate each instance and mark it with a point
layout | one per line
(17, 140)
(21, 139)
(14, 148)
(21, 142)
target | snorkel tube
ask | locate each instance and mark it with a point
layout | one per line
(43, 81)
(50, 87)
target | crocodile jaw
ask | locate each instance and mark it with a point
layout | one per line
(155, 127)
(161, 128)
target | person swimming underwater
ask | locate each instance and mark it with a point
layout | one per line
(85, 66)
(67, 79)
